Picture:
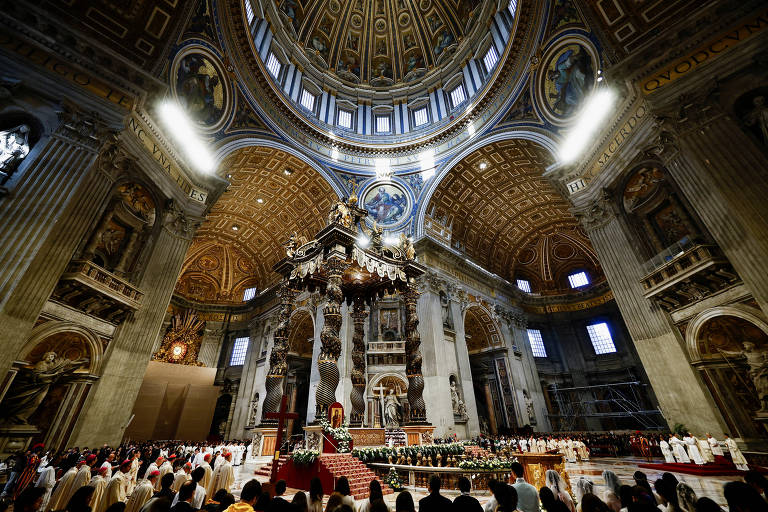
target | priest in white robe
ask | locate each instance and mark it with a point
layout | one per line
(117, 487)
(108, 465)
(167, 466)
(181, 476)
(678, 449)
(46, 480)
(714, 444)
(133, 473)
(693, 449)
(666, 451)
(63, 491)
(583, 451)
(208, 477)
(99, 484)
(143, 492)
(154, 466)
(224, 475)
(704, 448)
(736, 456)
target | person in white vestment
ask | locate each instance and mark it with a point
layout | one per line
(208, 478)
(133, 473)
(217, 460)
(666, 451)
(714, 444)
(108, 465)
(63, 491)
(99, 484)
(154, 466)
(541, 444)
(143, 492)
(223, 475)
(678, 449)
(693, 449)
(736, 456)
(704, 448)
(198, 498)
(117, 487)
(46, 480)
(583, 451)
(167, 466)
(181, 476)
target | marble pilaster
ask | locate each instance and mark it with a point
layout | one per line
(105, 415)
(465, 370)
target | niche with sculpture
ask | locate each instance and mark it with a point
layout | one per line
(733, 361)
(752, 111)
(457, 401)
(656, 211)
(123, 229)
(18, 135)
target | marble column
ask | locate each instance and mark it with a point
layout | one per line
(45, 216)
(357, 395)
(314, 372)
(108, 408)
(278, 366)
(418, 409)
(723, 175)
(682, 395)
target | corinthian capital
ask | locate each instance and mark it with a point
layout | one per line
(596, 214)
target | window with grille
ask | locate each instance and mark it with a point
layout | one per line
(382, 124)
(307, 100)
(249, 11)
(345, 119)
(273, 65)
(248, 294)
(491, 58)
(524, 285)
(420, 117)
(238, 351)
(578, 279)
(601, 338)
(537, 343)
(457, 96)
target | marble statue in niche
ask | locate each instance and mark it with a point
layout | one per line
(757, 117)
(529, 408)
(757, 360)
(459, 409)
(445, 306)
(14, 147)
(254, 411)
(31, 386)
(390, 405)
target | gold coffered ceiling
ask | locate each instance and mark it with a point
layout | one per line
(296, 202)
(496, 203)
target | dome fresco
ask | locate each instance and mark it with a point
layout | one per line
(380, 42)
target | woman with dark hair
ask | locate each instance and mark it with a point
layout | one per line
(591, 503)
(29, 500)
(707, 505)
(315, 495)
(506, 496)
(667, 491)
(299, 502)
(549, 502)
(342, 487)
(374, 494)
(81, 500)
(335, 500)
(404, 502)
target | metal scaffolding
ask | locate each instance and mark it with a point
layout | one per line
(617, 400)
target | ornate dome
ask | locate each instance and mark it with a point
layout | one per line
(380, 42)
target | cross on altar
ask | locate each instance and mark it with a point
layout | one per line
(281, 417)
(380, 388)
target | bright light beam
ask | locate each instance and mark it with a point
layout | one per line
(184, 134)
(590, 119)
(427, 162)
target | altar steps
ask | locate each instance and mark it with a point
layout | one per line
(338, 465)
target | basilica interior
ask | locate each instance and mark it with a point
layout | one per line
(467, 217)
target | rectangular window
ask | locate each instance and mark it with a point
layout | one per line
(307, 100)
(249, 11)
(457, 96)
(578, 279)
(273, 65)
(491, 58)
(345, 119)
(382, 124)
(420, 117)
(238, 351)
(601, 338)
(248, 294)
(537, 343)
(524, 285)
(512, 7)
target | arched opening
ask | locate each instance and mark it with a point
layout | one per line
(220, 417)
(301, 339)
(727, 346)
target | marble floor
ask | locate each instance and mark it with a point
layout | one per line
(624, 467)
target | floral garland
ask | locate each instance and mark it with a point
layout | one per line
(304, 457)
(493, 464)
(431, 450)
(393, 480)
(341, 435)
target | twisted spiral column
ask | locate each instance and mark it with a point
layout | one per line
(357, 395)
(327, 363)
(278, 367)
(418, 412)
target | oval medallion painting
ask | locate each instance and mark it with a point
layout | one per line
(387, 203)
(200, 89)
(569, 78)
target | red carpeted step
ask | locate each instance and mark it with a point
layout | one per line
(357, 473)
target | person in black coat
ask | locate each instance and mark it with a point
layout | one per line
(465, 502)
(186, 493)
(278, 503)
(435, 502)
